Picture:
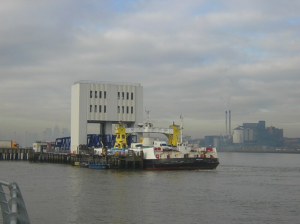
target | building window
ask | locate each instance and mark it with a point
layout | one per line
(99, 108)
(118, 95)
(91, 94)
(104, 94)
(127, 110)
(104, 109)
(132, 96)
(118, 109)
(123, 109)
(95, 94)
(132, 110)
(100, 94)
(122, 95)
(127, 96)
(95, 108)
(91, 108)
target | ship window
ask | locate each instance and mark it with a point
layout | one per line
(104, 109)
(100, 94)
(91, 108)
(123, 95)
(132, 96)
(95, 94)
(95, 108)
(127, 96)
(123, 109)
(127, 110)
(132, 110)
(91, 94)
(118, 109)
(104, 94)
(99, 108)
(118, 95)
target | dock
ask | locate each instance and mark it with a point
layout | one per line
(129, 161)
(14, 154)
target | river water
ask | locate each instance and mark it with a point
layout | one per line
(245, 188)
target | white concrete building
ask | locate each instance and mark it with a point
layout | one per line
(106, 103)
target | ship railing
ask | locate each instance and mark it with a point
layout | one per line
(13, 210)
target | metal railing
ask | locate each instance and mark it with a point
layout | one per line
(13, 210)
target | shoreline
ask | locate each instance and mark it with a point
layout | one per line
(287, 151)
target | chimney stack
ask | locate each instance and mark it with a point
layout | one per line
(226, 121)
(229, 123)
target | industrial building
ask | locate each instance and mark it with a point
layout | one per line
(248, 134)
(258, 134)
(212, 141)
(103, 103)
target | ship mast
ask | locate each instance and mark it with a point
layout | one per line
(148, 114)
(181, 127)
(148, 118)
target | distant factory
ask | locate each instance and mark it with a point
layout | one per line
(250, 134)
(257, 133)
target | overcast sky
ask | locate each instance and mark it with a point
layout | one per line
(196, 58)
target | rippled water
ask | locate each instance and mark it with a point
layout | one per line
(245, 188)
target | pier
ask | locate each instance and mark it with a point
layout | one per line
(14, 154)
(129, 161)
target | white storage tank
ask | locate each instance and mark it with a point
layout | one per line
(238, 135)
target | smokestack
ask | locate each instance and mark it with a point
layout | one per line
(226, 121)
(229, 123)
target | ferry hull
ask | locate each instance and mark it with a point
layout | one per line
(181, 164)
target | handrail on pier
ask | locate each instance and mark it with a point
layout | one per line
(13, 210)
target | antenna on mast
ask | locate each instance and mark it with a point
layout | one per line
(148, 114)
(181, 118)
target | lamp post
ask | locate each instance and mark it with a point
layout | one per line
(44, 136)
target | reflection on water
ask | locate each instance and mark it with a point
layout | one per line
(245, 188)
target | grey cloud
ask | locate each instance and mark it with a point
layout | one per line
(192, 58)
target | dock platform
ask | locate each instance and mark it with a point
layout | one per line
(129, 161)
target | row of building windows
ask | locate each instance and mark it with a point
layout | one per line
(104, 109)
(123, 95)
(96, 109)
(123, 109)
(104, 95)
(96, 94)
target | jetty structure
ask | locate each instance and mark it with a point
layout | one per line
(117, 107)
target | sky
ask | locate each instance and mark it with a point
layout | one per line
(196, 58)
